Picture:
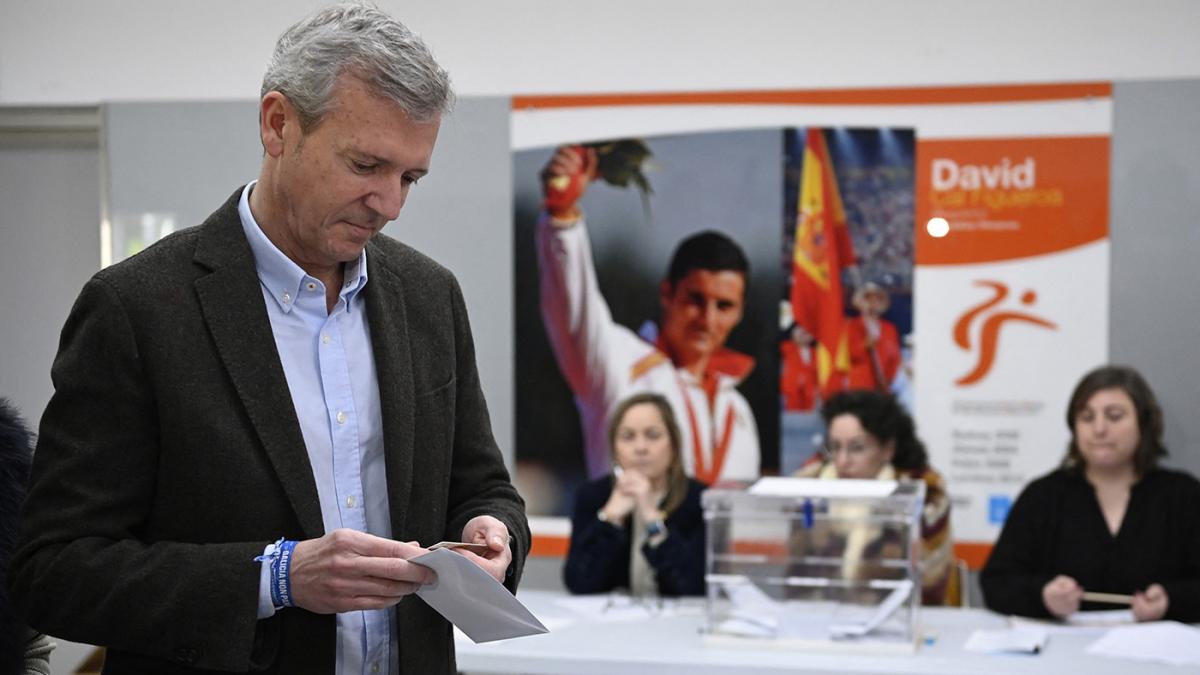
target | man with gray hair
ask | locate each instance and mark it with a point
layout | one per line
(259, 421)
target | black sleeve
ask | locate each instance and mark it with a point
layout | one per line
(1012, 580)
(678, 561)
(1183, 592)
(598, 559)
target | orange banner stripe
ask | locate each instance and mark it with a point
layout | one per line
(1064, 208)
(984, 93)
(550, 545)
(975, 554)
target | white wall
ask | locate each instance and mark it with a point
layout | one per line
(85, 51)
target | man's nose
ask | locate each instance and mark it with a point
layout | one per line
(388, 197)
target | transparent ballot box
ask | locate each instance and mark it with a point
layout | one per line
(808, 562)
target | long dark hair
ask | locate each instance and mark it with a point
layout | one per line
(677, 482)
(16, 450)
(883, 418)
(1149, 416)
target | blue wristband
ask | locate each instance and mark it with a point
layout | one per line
(279, 557)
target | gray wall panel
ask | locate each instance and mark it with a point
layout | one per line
(1155, 308)
(461, 215)
(49, 246)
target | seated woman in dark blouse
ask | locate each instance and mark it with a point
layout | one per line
(1108, 521)
(642, 527)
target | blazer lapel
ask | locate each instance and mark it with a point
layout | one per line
(393, 368)
(232, 304)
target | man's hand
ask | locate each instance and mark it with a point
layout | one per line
(490, 531)
(565, 179)
(348, 570)
(1061, 595)
(1150, 604)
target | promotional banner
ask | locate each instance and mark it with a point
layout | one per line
(1005, 308)
(1020, 273)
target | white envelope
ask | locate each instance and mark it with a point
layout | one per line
(471, 599)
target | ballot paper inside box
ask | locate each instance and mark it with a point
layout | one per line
(805, 562)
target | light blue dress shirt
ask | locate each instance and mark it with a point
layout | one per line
(330, 370)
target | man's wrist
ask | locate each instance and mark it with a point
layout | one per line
(564, 218)
(278, 559)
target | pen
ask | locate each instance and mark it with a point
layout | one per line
(1110, 598)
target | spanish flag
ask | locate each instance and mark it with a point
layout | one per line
(823, 247)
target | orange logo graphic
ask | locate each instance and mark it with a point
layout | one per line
(991, 328)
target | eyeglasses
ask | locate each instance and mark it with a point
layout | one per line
(854, 448)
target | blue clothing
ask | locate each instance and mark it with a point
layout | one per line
(598, 560)
(330, 370)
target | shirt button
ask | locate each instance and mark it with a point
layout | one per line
(324, 338)
(341, 417)
(375, 667)
(311, 286)
(287, 297)
(350, 501)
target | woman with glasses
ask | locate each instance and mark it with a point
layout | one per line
(1109, 528)
(870, 436)
(642, 527)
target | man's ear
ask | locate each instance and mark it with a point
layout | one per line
(665, 291)
(275, 118)
(889, 451)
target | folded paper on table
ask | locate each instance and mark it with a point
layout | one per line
(471, 599)
(1019, 639)
(1163, 641)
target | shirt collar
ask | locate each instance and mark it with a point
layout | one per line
(279, 274)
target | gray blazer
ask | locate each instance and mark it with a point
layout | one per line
(170, 455)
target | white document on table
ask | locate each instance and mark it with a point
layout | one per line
(1017, 639)
(1164, 641)
(471, 599)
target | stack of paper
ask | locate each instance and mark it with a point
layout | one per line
(1163, 641)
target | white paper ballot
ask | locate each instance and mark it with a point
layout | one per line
(1163, 641)
(471, 599)
(784, 486)
(1018, 639)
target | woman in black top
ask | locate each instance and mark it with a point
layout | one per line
(1108, 521)
(642, 527)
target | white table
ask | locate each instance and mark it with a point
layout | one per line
(586, 645)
